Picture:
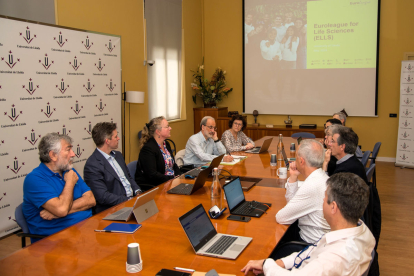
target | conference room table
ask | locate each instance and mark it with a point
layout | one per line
(79, 250)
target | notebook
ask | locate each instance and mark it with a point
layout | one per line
(214, 164)
(265, 146)
(187, 188)
(142, 209)
(121, 228)
(206, 241)
(237, 203)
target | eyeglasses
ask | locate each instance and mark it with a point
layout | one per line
(237, 124)
(167, 126)
(332, 141)
(212, 127)
(300, 259)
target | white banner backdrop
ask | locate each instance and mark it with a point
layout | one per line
(405, 143)
(52, 79)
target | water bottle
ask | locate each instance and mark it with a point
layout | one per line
(280, 148)
(216, 199)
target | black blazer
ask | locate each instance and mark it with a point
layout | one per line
(104, 181)
(151, 166)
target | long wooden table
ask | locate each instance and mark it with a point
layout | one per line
(79, 250)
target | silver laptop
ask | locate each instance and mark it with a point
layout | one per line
(144, 207)
(265, 146)
(285, 158)
(206, 241)
(213, 164)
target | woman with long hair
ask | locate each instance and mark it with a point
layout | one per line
(156, 163)
(289, 46)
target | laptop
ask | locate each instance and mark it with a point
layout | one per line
(285, 158)
(144, 207)
(238, 204)
(206, 241)
(263, 148)
(187, 188)
(214, 164)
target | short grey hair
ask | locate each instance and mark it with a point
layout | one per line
(341, 116)
(204, 121)
(51, 142)
(312, 151)
(346, 136)
(350, 193)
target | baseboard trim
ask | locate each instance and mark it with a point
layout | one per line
(386, 159)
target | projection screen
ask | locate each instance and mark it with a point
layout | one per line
(310, 57)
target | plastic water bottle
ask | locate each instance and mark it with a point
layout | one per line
(216, 198)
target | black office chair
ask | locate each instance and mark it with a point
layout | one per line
(21, 221)
(303, 135)
(370, 172)
(132, 167)
(139, 135)
(172, 147)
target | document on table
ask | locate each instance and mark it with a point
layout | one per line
(236, 159)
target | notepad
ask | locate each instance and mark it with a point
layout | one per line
(122, 228)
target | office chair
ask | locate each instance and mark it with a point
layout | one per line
(139, 135)
(21, 221)
(370, 172)
(304, 135)
(132, 167)
(171, 142)
(364, 158)
(373, 158)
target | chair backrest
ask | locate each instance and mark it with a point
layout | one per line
(304, 135)
(370, 171)
(364, 159)
(172, 145)
(132, 167)
(179, 158)
(20, 219)
(375, 151)
(139, 135)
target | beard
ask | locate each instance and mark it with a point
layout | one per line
(63, 166)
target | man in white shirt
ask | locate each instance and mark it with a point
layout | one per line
(304, 198)
(278, 26)
(346, 250)
(204, 146)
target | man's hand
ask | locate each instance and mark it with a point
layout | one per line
(326, 160)
(214, 135)
(228, 158)
(267, 44)
(46, 215)
(249, 146)
(294, 173)
(71, 177)
(255, 266)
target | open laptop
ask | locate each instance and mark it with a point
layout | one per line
(285, 158)
(187, 188)
(214, 164)
(143, 208)
(237, 202)
(206, 241)
(265, 146)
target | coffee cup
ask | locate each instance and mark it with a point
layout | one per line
(282, 172)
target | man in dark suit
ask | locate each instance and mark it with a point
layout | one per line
(343, 145)
(105, 171)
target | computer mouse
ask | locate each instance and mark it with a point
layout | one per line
(189, 176)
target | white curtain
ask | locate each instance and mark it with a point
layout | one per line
(163, 21)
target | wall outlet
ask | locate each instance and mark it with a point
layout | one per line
(393, 115)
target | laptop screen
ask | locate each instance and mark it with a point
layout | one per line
(234, 193)
(285, 158)
(198, 227)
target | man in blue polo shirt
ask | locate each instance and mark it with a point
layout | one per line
(54, 194)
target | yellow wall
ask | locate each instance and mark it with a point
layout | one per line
(223, 47)
(125, 18)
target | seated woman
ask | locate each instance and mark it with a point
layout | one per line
(234, 139)
(156, 162)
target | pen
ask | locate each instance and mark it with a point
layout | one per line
(107, 231)
(184, 269)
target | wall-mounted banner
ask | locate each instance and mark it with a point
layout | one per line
(405, 142)
(52, 79)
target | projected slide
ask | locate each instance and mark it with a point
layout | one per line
(299, 54)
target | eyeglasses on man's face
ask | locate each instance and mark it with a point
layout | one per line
(211, 127)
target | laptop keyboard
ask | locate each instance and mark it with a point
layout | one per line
(247, 208)
(221, 245)
(122, 216)
(182, 189)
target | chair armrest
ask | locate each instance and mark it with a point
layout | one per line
(21, 234)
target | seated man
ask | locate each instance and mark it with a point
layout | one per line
(304, 199)
(346, 250)
(204, 146)
(54, 194)
(342, 118)
(105, 170)
(343, 144)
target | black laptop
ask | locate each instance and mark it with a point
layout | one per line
(214, 164)
(238, 204)
(187, 188)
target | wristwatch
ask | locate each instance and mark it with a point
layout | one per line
(218, 140)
